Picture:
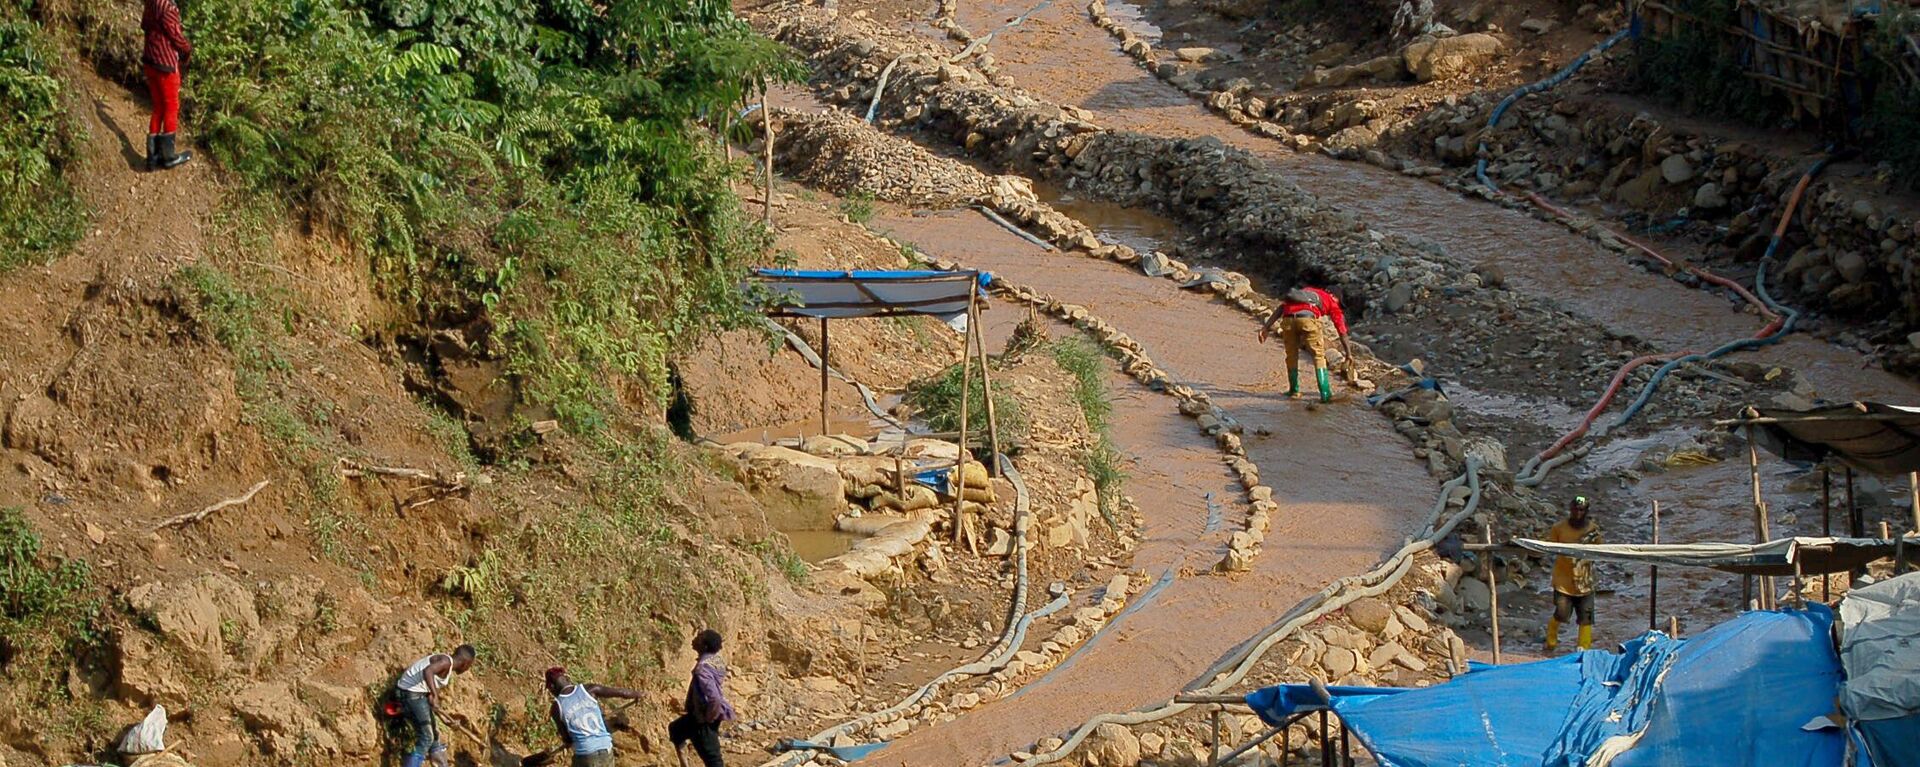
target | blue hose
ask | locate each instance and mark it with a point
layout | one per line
(1480, 166)
(1759, 289)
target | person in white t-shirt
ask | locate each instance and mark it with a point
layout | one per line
(418, 691)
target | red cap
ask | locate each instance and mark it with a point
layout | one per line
(555, 672)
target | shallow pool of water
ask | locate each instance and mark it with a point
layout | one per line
(820, 545)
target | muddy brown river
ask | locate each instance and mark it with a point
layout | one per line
(1326, 463)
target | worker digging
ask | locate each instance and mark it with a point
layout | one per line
(1298, 315)
(1573, 577)
(580, 720)
(418, 693)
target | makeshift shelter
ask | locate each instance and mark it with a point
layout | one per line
(1785, 556)
(829, 295)
(1880, 650)
(1738, 693)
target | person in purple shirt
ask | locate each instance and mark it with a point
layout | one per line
(707, 705)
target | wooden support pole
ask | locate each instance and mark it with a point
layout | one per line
(1913, 497)
(766, 120)
(1326, 740)
(1653, 575)
(1673, 626)
(823, 376)
(1759, 514)
(1826, 524)
(1493, 597)
(986, 384)
(966, 395)
(1213, 757)
(1856, 526)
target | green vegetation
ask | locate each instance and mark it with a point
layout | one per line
(857, 207)
(1101, 460)
(937, 400)
(540, 165)
(1893, 117)
(39, 214)
(1694, 68)
(47, 609)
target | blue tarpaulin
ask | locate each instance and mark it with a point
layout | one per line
(834, 295)
(1736, 694)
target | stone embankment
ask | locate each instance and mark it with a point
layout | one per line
(1850, 253)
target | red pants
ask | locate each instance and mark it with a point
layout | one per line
(164, 89)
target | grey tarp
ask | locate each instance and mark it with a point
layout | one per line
(1869, 436)
(1880, 648)
(1776, 557)
(836, 295)
(1880, 651)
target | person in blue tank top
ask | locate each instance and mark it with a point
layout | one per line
(577, 715)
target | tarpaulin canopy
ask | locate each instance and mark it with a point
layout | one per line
(1735, 694)
(1880, 649)
(836, 295)
(1812, 555)
(1869, 436)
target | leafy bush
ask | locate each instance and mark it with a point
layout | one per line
(1696, 70)
(937, 399)
(39, 214)
(1893, 116)
(45, 608)
(540, 164)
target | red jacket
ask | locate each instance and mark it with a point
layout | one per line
(166, 42)
(1328, 306)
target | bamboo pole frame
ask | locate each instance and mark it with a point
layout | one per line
(1759, 513)
(1653, 575)
(966, 396)
(824, 366)
(766, 119)
(1493, 597)
(986, 385)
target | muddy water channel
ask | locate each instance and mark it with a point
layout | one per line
(1334, 463)
(1060, 56)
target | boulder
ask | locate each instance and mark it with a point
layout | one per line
(800, 491)
(1851, 265)
(1709, 197)
(1196, 54)
(1676, 169)
(1339, 662)
(1536, 26)
(1451, 57)
(1112, 745)
(200, 616)
(1370, 614)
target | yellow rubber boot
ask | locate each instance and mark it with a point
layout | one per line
(1553, 633)
(1586, 637)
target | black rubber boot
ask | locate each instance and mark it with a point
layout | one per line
(168, 159)
(153, 151)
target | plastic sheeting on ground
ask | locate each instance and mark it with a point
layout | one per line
(1869, 436)
(836, 295)
(1880, 648)
(1813, 555)
(1735, 694)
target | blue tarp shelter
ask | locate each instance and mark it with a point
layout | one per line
(838, 295)
(1736, 694)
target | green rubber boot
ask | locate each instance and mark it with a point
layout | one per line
(1293, 383)
(1326, 387)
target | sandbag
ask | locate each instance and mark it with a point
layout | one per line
(149, 736)
(974, 474)
(918, 497)
(863, 492)
(978, 494)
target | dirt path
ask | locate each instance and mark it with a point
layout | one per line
(1060, 56)
(1334, 463)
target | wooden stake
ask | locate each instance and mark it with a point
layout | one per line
(766, 119)
(966, 394)
(1759, 514)
(823, 376)
(1856, 526)
(1673, 626)
(1913, 497)
(1214, 757)
(1826, 524)
(1493, 597)
(1653, 574)
(986, 383)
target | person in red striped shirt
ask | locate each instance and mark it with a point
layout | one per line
(1299, 316)
(166, 53)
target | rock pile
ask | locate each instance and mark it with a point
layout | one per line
(829, 150)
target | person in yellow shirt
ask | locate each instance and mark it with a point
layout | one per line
(1573, 577)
